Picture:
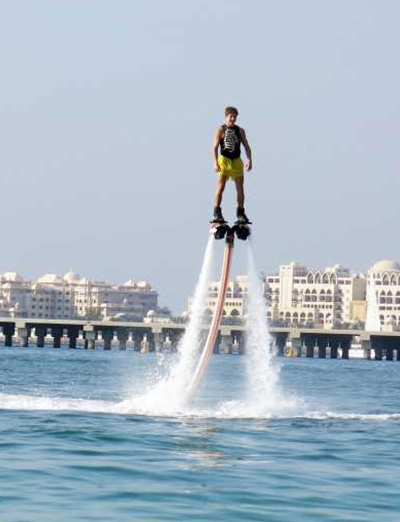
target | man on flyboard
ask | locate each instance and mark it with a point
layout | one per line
(228, 163)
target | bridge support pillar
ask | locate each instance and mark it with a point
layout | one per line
(366, 346)
(65, 341)
(32, 339)
(236, 348)
(158, 337)
(158, 341)
(115, 343)
(167, 345)
(20, 337)
(130, 343)
(2, 337)
(99, 341)
(226, 341)
(80, 341)
(89, 336)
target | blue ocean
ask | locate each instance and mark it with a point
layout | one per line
(75, 444)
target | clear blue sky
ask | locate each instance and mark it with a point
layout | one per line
(107, 115)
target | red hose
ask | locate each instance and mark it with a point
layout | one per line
(216, 320)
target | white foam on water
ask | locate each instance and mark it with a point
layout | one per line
(379, 417)
(34, 403)
(227, 410)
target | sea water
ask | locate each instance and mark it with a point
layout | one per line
(74, 445)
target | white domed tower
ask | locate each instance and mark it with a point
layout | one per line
(385, 277)
(385, 266)
(71, 277)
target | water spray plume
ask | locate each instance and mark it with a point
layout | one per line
(264, 395)
(262, 375)
(168, 395)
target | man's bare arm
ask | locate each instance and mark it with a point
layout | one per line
(247, 149)
(217, 137)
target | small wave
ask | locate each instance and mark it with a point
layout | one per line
(32, 403)
(147, 405)
(291, 409)
(354, 416)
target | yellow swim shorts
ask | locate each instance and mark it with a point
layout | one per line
(230, 168)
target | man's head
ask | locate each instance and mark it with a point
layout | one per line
(231, 114)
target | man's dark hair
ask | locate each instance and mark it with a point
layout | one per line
(231, 110)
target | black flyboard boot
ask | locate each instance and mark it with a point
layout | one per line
(242, 231)
(220, 230)
(241, 227)
(218, 217)
(241, 218)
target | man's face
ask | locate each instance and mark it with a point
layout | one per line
(230, 119)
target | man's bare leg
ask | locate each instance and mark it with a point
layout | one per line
(219, 191)
(218, 217)
(241, 216)
(239, 192)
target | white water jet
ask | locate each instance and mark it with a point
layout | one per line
(372, 323)
(263, 374)
(169, 394)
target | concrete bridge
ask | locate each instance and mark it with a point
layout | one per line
(158, 336)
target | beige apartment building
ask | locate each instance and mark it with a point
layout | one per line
(327, 297)
(52, 297)
(298, 295)
(235, 301)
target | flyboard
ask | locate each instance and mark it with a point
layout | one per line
(220, 230)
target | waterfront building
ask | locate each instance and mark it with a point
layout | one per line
(130, 301)
(50, 297)
(325, 298)
(386, 277)
(53, 297)
(235, 306)
(296, 294)
(235, 301)
(13, 293)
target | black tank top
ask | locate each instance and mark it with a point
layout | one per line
(230, 142)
